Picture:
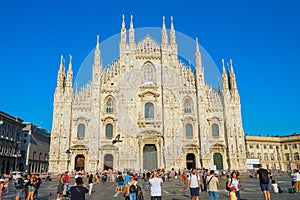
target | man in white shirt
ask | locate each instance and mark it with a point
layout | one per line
(194, 183)
(297, 180)
(155, 183)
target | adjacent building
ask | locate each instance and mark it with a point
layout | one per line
(10, 142)
(163, 111)
(276, 152)
(35, 148)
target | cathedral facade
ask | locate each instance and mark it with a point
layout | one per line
(146, 110)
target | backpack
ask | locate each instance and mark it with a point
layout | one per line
(264, 177)
(228, 188)
(19, 183)
(132, 188)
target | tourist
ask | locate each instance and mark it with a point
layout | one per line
(19, 187)
(212, 184)
(1, 187)
(38, 184)
(6, 183)
(194, 183)
(120, 182)
(183, 178)
(26, 184)
(131, 188)
(31, 187)
(60, 187)
(155, 183)
(232, 194)
(264, 181)
(90, 182)
(78, 191)
(297, 181)
(204, 177)
(234, 181)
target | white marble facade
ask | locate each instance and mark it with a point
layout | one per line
(165, 113)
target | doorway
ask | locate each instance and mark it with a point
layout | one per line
(108, 162)
(149, 157)
(218, 161)
(190, 161)
(79, 162)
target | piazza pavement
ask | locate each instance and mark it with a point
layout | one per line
(170, 191)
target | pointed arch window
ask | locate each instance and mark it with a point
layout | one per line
(149, 110)
(148, 75)
(81, 131)
(215, 130)
(189, 131)
(187, 106)
(109, 105)
(109, 129)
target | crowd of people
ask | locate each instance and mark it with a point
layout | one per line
(129, 183)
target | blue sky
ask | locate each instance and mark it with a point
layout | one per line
(262, 38)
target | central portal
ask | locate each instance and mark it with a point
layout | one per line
(79, 162)
(150, 157)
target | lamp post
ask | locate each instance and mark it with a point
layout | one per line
(116, 140)
(68, 152)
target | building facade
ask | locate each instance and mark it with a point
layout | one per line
(277, 152)
(164, 112)
(10, 142)
(35, 149)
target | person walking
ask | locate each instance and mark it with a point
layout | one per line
(38, 184)
(232, 193)
(1, 187)
(31, 187)
(19, 187)
(297, 181)
(212, 184)
(78, 191)
(234, 181)
(131, 188)
(90, 182)
(155, 183)
(60, 187)
(264, 181)
(194, 183)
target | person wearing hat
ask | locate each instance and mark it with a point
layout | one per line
(232, 195)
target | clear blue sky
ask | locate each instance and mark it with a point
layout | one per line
(262, 38)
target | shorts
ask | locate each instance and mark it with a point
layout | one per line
(120, 183)
(264, 187)
(19, 192)
(194, 192)
(31, 188)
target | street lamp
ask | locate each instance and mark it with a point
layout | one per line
(68, 152)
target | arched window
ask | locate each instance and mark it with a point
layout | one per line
(109, 130)
(109, 105)
(81, 131)
(215, 130)
(149, 110)
(189, 131)
(187, 106)
(41, 156)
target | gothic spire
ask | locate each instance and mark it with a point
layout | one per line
(164, 35)
(224, 76)
(70, 74)
(131, 34)
(232, 76)
(123, 35)
(198, 55)
(97, 58)
(172, 34)
(199, 67)
(61, 73)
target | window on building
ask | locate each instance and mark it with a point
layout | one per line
(287, 157)
(265, 158)
(109, 130)
(109, 105)
(215, 130)
(25, 134)
(81, 131)
(294, 146)
(296, 156)
(272, 157)
(148, 75)
(265, 146)
(285, 146)
(24, 141)
(271, 146)
(277, 146)
(149, 110)
(187, 106)
(257, 146)
(251, 146)
(189, 131)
